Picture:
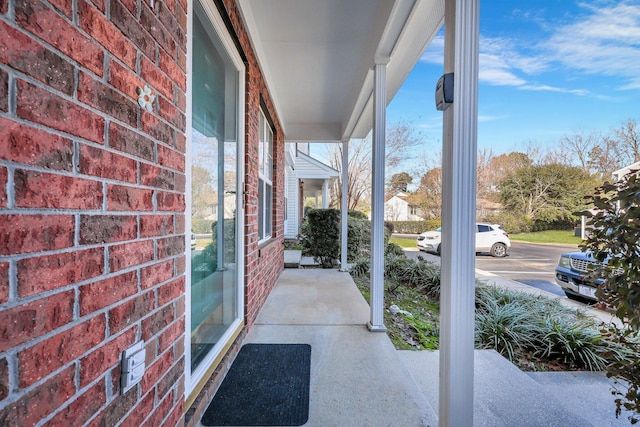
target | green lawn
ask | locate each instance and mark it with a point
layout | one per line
(564, 237)
(404, 242)
(550, 236)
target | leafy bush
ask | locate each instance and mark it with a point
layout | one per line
(320, 234)
(613, 241)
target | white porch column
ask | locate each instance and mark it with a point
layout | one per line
(325, 194)
(458, 215)
(344, 205)
(376, 324)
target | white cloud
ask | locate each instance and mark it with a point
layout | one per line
(435, 52)
(546, 88)
(603, 41)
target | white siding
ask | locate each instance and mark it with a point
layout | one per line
(291, 223)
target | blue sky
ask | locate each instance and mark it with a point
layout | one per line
(547, 69)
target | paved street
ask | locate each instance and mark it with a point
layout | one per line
(530, 263)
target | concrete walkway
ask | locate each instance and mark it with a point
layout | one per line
(359, 379)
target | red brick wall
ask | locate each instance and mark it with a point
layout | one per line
(91, 210)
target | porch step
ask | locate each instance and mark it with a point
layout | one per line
(585, 393)
(309, 262)
(292, 258)
(504, 395)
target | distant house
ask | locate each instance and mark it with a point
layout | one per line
(616, 175)
(305, 178)
(402, 207)
(486, 208)
(625, 170)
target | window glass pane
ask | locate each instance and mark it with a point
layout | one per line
(269, 155)
(267, 209)
(261, 147)
(265, 193)
(260, 209)
(214, 285)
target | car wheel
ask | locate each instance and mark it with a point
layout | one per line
(438, 250)
(498, 250)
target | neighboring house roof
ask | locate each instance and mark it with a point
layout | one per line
(314, 166)
(625, 170)
(410, 199)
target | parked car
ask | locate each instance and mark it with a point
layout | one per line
(489, 238)
(193, 242)
(572, 275)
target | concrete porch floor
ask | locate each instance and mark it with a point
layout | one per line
(358, 378)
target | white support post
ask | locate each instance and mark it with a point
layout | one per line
(344, 205)
(458, 215)
(376, 324)
(325, 194)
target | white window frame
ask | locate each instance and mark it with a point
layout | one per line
(194, 380)
(265, 179)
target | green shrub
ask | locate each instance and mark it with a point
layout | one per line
(358, 238)
(320, 234)
(505, 328)
(394, 249)
(577, 344)
(201, 226)
(512, 222)
(414, 227)
(357, 214)
(361, 267)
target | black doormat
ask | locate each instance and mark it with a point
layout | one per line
(267, 385)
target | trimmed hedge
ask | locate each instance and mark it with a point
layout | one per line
(201, 226)
(415, 227)
(320, 234)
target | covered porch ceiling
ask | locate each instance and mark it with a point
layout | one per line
(317, 58)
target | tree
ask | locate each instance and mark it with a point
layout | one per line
(602, 154)
(580, 147)
(203, 193)
(399, 183)
(614, 244)
(430, 193)
(547, 193)
(400, 138)
(493, 169)
(627, 138)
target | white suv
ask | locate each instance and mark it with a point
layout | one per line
(489, 238)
